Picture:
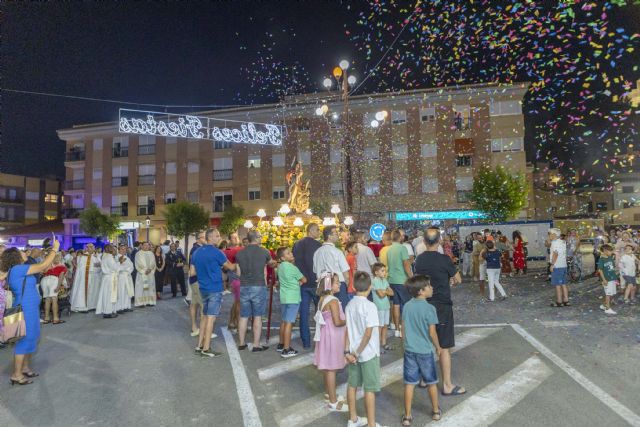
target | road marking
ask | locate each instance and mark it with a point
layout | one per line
(494, 400)
(312, 409)
(617, 407)
(250, 414)
(277, 369)
(558, 323)
(482, 325)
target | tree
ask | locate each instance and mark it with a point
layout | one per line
(498, 194)
(232, 219)
(96, 224)
(319, 208)
(184, 218)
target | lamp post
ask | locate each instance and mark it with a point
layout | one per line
(147, 221)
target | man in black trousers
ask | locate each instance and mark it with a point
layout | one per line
(175, 269)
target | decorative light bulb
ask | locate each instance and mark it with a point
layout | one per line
(308, 212)
(348, 220)
(337, 72)
(335, 209)
(327, 83)
(277, 221)
(351, 80)
(324, 108)
(285, 209)
(374, 124)
(319, 111)
(335, 116)
(326, 221)
(248, 224)
(298, 222)
(344, 64)
(380, 116)
(261, 213)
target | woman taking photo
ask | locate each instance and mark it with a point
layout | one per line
(160, 264)
(53, 280)
(13, 268)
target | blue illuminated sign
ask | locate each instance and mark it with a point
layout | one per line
(438, 215)
(376, 231)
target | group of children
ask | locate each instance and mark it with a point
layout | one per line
(626, 263)
(356, 336)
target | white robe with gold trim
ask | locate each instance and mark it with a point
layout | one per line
(145, 292)
(108, 296)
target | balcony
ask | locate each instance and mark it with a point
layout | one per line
(76, 184)
(223, 174)
(74, 156)
(120, 210)
(71, 213)
(120, 152)
(18, 200)
(462, 124)
(120, 181)
(147, 210)
(146, 149)
(146, 179)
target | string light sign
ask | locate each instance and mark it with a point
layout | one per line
(207, 128)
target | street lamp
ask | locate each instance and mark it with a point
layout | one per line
(147, 221)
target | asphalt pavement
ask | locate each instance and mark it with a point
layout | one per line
(522, 362)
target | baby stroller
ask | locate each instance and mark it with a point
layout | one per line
(64, 301)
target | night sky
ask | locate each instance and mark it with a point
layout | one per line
(582, 55)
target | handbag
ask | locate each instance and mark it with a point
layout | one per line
(14, 326)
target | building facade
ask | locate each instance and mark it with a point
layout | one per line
(421, 157)
(27, 200)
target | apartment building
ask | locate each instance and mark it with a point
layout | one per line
(27, 200)
(421, 157)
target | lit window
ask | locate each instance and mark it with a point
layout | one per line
(254, 162)
(51, 198)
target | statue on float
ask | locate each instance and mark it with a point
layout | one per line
(299, 190)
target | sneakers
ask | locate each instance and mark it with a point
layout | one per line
(602, 307)
(279, 348)
(214, 336)
(609, 311)
(289, 352)
(359, 422)
(210, 353)
(397, 334)
(392, 326)
(186, 301)
(198, 350)
(226, 292)
(195, 333)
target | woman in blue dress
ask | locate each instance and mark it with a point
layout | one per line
(13, 268)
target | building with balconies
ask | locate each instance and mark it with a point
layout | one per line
(27, 200)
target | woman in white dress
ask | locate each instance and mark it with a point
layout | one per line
(145, 264)
(108, 297)
(125, 283)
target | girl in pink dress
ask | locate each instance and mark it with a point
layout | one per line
(329, 338)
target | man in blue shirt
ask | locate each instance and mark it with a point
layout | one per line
(207, 264)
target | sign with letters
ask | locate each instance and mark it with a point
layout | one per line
(207, 128)
(439, 215)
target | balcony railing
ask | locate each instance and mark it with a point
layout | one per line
(147, 149)
(146, 179)
(120, 210)
(17, 199)
(74, 156)
(71, 213)
(120, 152)
(120, 181)
(461, 124)
(223, 174)
(76, 184)
(146, 210)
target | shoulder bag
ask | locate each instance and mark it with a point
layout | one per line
(14, 326)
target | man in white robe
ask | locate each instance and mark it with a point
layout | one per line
(86, 283)
(108, 296)
(145, 292)
(125, 283)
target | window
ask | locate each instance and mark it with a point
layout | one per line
(398, 117)
(221, 145)
(120, 176)
(170, 198)
(51, 198)
(462, 117)
(120, 146)
(399, 151)
(601, 206)
(221, 201)
(371, 153)
(222, 163)
(304, 157)
(464, 161)
(254, 162)
(192, 196)
(372, 188)
(277, 160)
(335, 155)
(147, 144)
(429, 184)
(147, 174)
(97, 173)
(428, 114)
(303, 127)
(627, 188)
(29, 195)
(429, 150)
(400, 186)
(367, 118)
(507, 144)
(505, 108)
(336, 189)
(97, 144)
(31, 214)
(193, 167)
(278, 193)
(464, 183)
(254, 194)
(171, 140)
(77, 202)
(146, 205)
(120, 204)
(170, 168)
(462, 196)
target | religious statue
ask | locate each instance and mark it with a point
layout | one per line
(298, 190)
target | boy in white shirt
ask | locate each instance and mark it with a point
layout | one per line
(558, 252)
(628, 263)
(362, 351)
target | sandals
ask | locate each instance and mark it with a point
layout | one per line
(436, 415)
(556, 304)
(46, 322)
(31, 374)
(387, 347)
(21, 381)
(58, 322)
(339, 406)
(566, 304)
(455, 392)
(338, 398)
(406, 420)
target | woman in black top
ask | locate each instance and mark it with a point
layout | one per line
(159, 271)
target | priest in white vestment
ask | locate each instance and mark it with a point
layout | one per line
(108, 296)
(125, 283)
(86, 283)
(145, 293)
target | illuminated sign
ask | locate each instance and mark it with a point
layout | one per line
(187, 126)
(438, 215)
(129, 225)
(376, 231)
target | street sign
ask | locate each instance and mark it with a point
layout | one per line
(376, 231)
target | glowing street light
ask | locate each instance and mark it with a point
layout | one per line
(335, 209)
(327, 83)
(375, 124)
(351, 80)
(285, 209)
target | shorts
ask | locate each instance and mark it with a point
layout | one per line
(211, 303)
(400, 295)
(48, 284)
(365, 375)
(483, 271)
(559, 276)
(610, 288)
(196, 297)
(418, 366)
(444, 328)
(383, 317)
(289, 312)
(630, 280)
(253, 301)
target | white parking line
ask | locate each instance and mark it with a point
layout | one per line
(494, 400)
(285, 366)
(558, 323)
(250, 414)
(628, 415)
(312, 409)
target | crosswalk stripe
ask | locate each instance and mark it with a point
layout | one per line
(275, 339)
(309, 410)
(494, 400)
(265, 374)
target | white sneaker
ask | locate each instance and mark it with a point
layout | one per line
(609, 311)
(602, 307)
(226, 292)
(214, 336)
(392, 327)
(195, 333)
(397, 334)
(360, 422)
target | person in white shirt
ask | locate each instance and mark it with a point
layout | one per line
(628, 268)
(329, 259)
(558, 261)
(365, 257)
(362, 350)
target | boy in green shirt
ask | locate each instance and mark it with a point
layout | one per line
(290, 279)
(381, 293)
(609, 277)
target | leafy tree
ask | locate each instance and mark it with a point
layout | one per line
(97, 224)
(498, 194)
(319, 208)
(184, 218)
(232, 219)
